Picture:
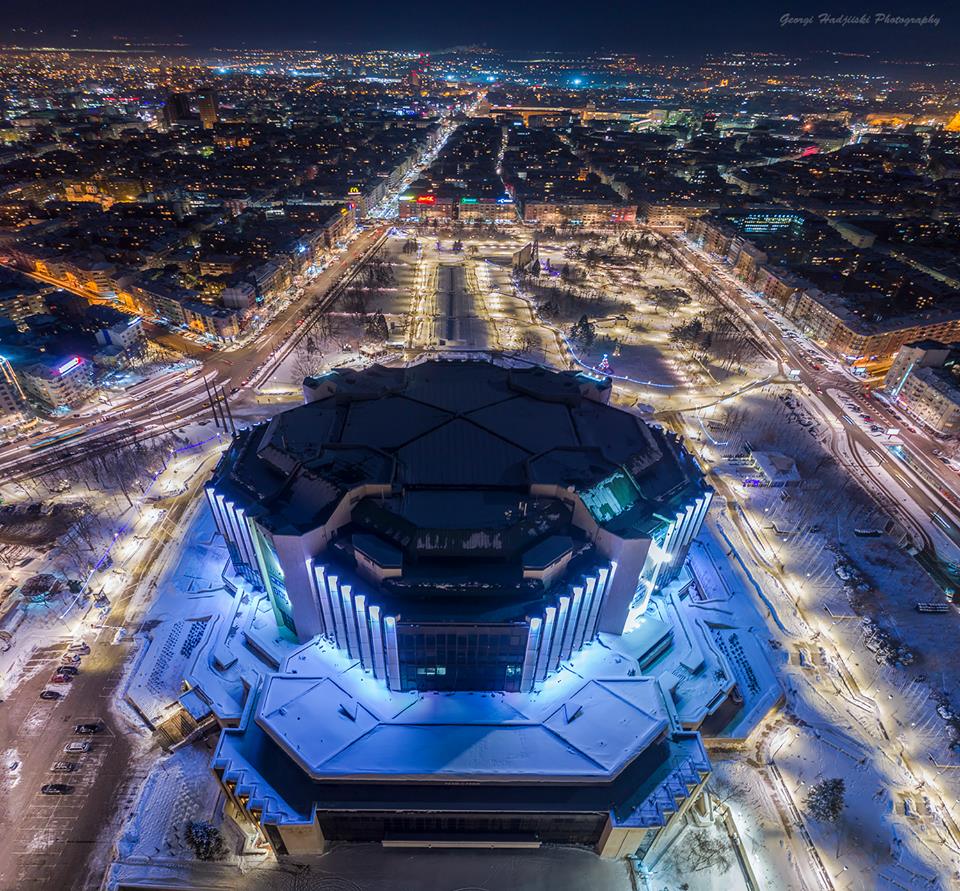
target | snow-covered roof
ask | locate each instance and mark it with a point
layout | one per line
(337, 724)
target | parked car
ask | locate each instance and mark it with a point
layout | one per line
(56, 789)
(89, 727)
(76, 748)
(50, 694)
(68, 669)
(61, 678)
(80, 647)
(65, 766)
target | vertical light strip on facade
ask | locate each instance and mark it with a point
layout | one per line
(686, 527)
(528, 673)
(211, 501)
(546, 641)
(589, 592)
(558, 633)
(312, 579)
(363, 631)
(333, 586)
(705, 500)
(228, 531)
(230, 514)
(606, 575)
(350, 620)
(669, 540)
(323, 595)
(376, 643)
(393, 657)
(246, 539)
(566, 647)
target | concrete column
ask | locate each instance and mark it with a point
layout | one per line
(600, 601)
(363, 632)
(323, 595)
(302, 838)
(246, 537)
(376, 643)
(591, 591)
(350, 620)
(566, 648)
(393, 657)
(618, 842)
(559, 631)
(333, 586)
(528, 674)
(546, 642)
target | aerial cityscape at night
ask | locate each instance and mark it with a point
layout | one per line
(454, 455)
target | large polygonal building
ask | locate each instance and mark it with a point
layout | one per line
(446, 541)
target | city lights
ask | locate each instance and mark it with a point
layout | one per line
(542, 453)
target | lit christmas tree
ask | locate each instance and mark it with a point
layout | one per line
(604, 366)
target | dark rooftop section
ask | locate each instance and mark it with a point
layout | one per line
(447, 453)
(437, 425)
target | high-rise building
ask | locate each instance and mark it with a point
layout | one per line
(447, 542)
(207, 106)
(177, 108)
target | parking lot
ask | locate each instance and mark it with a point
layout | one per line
(47, 838)
(48, 823)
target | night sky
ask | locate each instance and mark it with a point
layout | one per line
(691, 27)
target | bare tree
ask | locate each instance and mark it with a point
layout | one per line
(306, 360)
(703, 850)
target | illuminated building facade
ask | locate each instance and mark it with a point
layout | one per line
(208, 107)
(923, 382)
(65, 382)
(433, 533)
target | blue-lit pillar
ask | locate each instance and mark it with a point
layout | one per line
(323, 596)
(528, 673)
(546, 642)
(363, 632)
(605, 576)
(586, 602)
(376, 643)
(350, 620)
(566, 648)
(333, 586)
(393, 656)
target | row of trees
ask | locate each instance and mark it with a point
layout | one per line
(714, 335)
(458, 228)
